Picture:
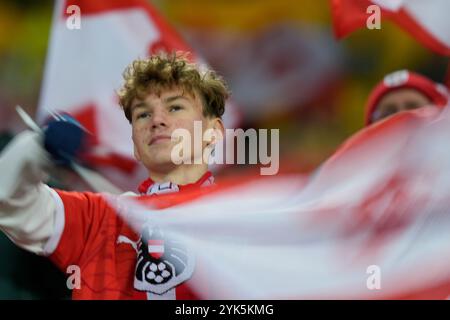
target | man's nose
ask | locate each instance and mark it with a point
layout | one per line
(159, 119)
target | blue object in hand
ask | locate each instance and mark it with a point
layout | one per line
(64, 138)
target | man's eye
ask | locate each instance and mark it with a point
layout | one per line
(143, 115)
(175, 108)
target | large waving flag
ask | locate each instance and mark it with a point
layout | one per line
(84, 68)
(427, 21)
(372, 223)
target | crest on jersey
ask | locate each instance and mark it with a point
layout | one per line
(162, 263)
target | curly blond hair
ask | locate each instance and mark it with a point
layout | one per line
(164, 71)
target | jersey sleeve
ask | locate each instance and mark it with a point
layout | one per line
(79, 223)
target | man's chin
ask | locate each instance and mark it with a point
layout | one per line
(162, 164)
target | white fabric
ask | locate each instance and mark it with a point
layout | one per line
(27, 207)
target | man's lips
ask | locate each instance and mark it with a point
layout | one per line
(159, 139)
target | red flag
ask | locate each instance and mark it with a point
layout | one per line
(426, 21)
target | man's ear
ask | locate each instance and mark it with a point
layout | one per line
(217, 124)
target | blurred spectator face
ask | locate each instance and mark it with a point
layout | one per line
(399, 100)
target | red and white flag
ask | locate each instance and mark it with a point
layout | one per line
(372, 222)
(84, 69)
(427, 21)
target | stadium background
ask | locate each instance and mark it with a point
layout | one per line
(285, 69)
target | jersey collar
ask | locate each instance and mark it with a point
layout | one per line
(149, 187)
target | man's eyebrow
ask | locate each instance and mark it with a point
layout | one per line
(138, 105)
(143, 104)
(173, 98)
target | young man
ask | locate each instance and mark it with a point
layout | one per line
(81, 232)
(403, 90)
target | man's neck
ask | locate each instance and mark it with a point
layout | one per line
(180, 175)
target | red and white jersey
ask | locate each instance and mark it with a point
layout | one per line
(116, 262)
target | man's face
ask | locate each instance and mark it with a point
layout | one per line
(155, 118)
(399, 100)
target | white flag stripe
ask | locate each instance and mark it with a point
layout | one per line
(155, 248)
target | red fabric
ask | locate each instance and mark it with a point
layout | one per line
(350, 15)
(89, 240)
(89, 7)
(412, 81)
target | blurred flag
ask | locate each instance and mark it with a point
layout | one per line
(84, 69)
(427, 21)
(278, 70)
(372, 223)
